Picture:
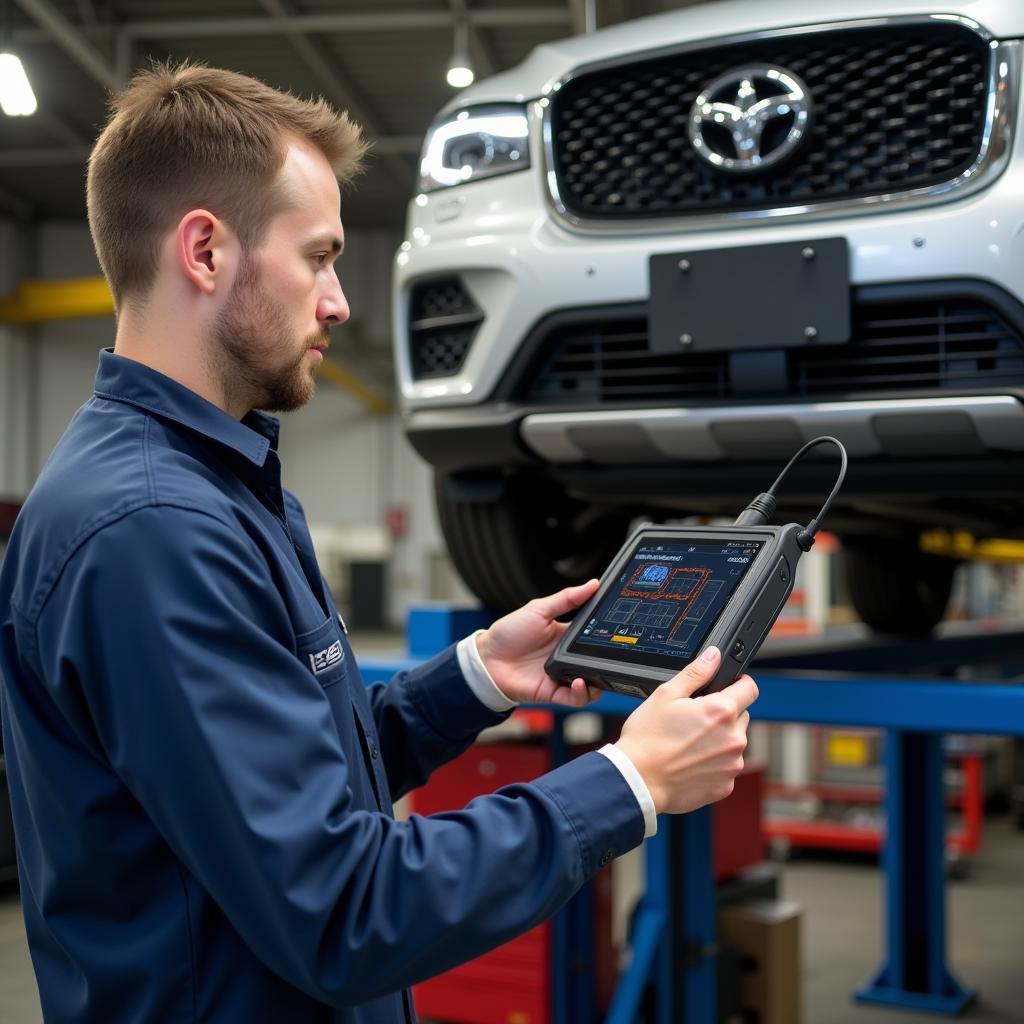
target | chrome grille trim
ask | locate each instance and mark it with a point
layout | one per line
(993, 155)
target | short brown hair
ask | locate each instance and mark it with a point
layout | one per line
(188, 136)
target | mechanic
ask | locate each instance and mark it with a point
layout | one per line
(201, 784)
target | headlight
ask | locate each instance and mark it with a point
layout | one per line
(475, 143)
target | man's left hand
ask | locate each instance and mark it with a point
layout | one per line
(515, 648)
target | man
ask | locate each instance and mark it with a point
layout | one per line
(202, 786)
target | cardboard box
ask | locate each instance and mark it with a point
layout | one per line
(767, 935)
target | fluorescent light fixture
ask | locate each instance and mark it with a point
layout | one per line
(16, 96)
(459, 75)
(460, 71)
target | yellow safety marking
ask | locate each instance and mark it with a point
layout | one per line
(962, 545)
(847, 749)
(348, 381)
(36, 301)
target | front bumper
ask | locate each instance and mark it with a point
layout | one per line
(507, 435)
(954, 462)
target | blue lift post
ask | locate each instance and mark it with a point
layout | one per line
(901, 686)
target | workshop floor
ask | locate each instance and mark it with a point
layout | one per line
(841, 937)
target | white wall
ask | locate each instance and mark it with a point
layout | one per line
(15, 474)
(347, 466)
(15, 369)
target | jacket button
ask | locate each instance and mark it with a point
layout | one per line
(606, 858)
(374, 752)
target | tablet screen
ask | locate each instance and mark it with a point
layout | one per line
(661, 606)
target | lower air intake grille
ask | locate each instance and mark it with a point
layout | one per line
(903, 345)
(609, 361)
(443, 320)
(959, 343)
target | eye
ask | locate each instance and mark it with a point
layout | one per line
(321, 259)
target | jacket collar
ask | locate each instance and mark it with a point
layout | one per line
(125, 380)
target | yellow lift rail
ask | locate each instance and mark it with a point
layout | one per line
(37, 301)
(346, 381)
(963, 546)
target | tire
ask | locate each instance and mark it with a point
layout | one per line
(895, 588)
(520, 540)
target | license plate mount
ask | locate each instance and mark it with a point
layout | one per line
(782, 295)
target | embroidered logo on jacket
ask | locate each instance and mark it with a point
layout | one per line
(323, 660)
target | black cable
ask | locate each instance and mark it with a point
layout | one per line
(760, 510)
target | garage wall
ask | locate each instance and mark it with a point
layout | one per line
(15, 474)
(347, 466)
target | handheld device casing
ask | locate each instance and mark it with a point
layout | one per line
(738, 632)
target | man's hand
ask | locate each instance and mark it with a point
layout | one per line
(687, 749)
(515, 648)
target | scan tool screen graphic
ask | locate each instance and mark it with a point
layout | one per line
(663, 604)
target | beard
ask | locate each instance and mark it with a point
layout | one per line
(253, 353)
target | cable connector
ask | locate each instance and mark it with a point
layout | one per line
(758, 512)
(805, 539)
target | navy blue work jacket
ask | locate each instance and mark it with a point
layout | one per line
(201, 783)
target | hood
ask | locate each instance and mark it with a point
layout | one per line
(552, 61)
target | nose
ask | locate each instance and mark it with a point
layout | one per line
(332, 307)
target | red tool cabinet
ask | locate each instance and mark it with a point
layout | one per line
(512, 984)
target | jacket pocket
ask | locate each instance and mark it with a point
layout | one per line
(322, 652)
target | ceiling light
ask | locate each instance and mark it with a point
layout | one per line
(460, 71)
(16, 96)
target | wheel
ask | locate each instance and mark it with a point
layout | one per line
(895, 588)
(518, 539)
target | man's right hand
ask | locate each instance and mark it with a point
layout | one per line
(687, 749)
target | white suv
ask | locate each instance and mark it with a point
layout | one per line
(647, 264)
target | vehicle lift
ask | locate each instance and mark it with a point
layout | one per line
(966, 680)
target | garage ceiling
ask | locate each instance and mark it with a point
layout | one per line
(383, 60)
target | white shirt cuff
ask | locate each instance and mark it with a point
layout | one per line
(636, 783)
(479, 679)
(486, 690)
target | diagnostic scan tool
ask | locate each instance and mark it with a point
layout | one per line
(674, 590)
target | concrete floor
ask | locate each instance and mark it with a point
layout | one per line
(842, 929)
(841, 900)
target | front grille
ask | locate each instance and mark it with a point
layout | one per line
(894, 109)
(443, 320)
(924, 344)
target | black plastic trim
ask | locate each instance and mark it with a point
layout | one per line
(458, 440)
(523, 366)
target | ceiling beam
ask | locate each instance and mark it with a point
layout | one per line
(387, 21)
(340, 89)
(70, 40)
(402, 21)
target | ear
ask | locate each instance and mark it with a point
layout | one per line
(206, 250)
